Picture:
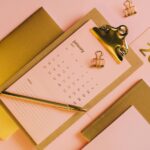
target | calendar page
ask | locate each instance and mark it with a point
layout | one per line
(65, 75)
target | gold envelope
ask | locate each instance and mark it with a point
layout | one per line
(138, 96)
(23, 44)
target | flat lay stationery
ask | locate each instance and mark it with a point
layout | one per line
(70, 79)
(22, 45)
(64, 67)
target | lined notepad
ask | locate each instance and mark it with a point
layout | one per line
(65, 76)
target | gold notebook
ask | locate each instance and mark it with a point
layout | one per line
(23, 44)
(138, 96)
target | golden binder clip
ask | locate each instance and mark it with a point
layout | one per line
(113, 39)
(129, 8)
(98, 61)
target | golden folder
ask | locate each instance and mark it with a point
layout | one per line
(138, 96)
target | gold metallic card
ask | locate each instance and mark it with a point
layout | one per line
(138, 96)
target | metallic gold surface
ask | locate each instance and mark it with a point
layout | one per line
(113, 39)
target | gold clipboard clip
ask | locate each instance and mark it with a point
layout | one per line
(113, 39)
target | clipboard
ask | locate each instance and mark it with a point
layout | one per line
(132, 58)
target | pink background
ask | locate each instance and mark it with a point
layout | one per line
(65, 13)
